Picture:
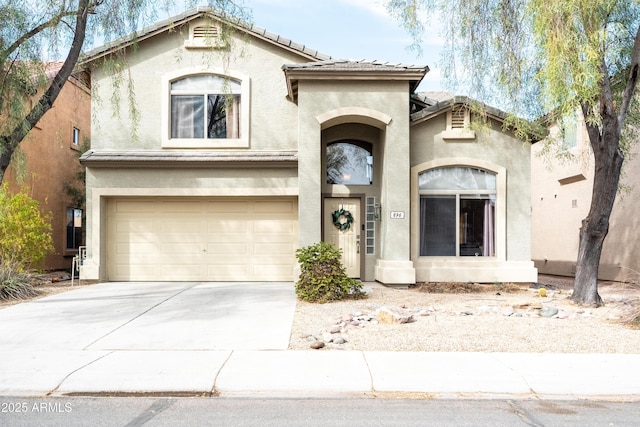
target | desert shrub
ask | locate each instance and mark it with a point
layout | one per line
(322, 276)
(25, 232)
(15, 283)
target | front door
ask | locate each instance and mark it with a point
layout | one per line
(342, 228)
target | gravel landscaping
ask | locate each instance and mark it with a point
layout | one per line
(497, 319)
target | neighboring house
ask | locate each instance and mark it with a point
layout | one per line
(51, 154)
(293, 148)
(561, 198)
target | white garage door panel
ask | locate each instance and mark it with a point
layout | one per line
(227, 248)
(203, 239)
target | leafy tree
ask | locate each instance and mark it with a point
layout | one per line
(61, 28)
(535, 56)
(25, 231)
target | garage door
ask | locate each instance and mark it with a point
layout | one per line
(202, 239)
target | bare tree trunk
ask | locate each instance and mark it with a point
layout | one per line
(608, 156)
(9, 143)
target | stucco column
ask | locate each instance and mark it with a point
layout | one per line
(394, 265)
(91, 266)
(309, 177)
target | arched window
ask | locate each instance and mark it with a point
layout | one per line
(349, 163)
(457, 211)
(205, 107)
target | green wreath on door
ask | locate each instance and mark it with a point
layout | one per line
(342, 219)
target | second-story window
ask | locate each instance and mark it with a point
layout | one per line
(569, 125)
(75, 137)
(205, 107)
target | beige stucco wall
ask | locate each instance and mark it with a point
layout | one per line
(510, 158)
(272, 121)
(381, 104)
(103, 183)
(271, 114)
(560, 199)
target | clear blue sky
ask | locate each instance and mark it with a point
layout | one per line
(347, 29)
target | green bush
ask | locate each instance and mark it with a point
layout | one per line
(322, 276)
(14, 282)
(26, 232)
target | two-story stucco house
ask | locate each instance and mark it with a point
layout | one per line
(252, 146)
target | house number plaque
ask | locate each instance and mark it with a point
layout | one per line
(397, 214)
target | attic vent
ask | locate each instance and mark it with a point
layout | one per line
(458, 118)
(458, 126)
(204, 36)
(205, 32)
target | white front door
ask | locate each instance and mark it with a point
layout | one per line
(344, 236)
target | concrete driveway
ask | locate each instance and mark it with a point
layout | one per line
(154, 316)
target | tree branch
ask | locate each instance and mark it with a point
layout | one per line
(631, 82)
(46, 101)
(33, 32)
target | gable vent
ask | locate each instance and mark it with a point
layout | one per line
(205, 36)
(458, 118)
(204, 32)
(458, 129)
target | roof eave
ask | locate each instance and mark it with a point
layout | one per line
(442, 107)
(179, 159)
(162, 26)
(414, 77)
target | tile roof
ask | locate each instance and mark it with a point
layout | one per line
(353, 65)
(433, 97)
(188, 15)
(447, 101)
(351, 69)
(440, 102)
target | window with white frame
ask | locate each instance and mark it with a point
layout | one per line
(205, 107)
(75, 137)
(457, 211)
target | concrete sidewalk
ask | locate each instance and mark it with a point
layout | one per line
(320, 373)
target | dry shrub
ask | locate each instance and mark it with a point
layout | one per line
(14, 282)
(632, 319)
(466, 288)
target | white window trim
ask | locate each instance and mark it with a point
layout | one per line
(454, 131)
(500, 208)
(245, 92)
